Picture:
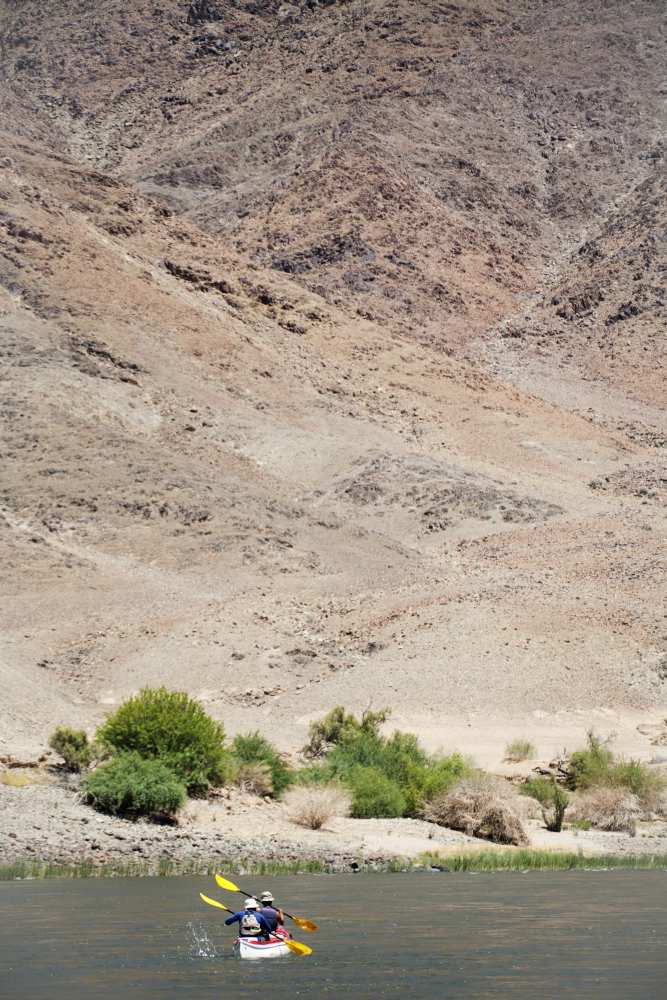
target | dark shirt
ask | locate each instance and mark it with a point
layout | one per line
(261, 920)
(271, 916)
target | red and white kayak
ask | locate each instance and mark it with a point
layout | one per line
(252, 948)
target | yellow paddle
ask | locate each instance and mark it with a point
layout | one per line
(305, 925)
(294, 946)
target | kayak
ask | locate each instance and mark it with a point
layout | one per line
(253, 948)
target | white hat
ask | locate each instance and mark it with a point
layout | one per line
(266, 897)
(251, 904)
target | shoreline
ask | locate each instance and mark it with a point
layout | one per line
(46, 832)
(518, 860)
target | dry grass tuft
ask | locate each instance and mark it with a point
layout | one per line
(255, 778)
(478, 807)
(519, 750)
(21, 779)
(608, 808)
(314, 805)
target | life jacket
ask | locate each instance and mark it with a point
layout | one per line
(250, 925)
(270, 914)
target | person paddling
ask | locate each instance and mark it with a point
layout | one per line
(273, 916)
(252, 923)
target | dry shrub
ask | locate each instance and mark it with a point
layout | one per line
(255, 778)
(527, 809)
(314, 805)
(519, 750)
(608, 808)
(478, 807)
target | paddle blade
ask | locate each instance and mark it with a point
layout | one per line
(306, 925)
(214, 902)
(224, 883)
(299, 949)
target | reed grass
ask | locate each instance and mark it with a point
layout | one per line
(475, 861)
(534, 860)
(161, 867)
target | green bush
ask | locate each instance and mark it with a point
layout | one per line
(644, 782)
(374, 795)
(595, 767)
(253, 748)
(73, 747)
(436, 777)
(392, 756)
(552, 797)
(131, 785)
(173, 728)
(554, 817)
(313, 774)
(339, 725)
(399, 758)
(590, 767)
(540, 789)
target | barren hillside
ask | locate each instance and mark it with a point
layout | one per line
(333, 343)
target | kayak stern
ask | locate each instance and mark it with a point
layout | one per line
(250, 948)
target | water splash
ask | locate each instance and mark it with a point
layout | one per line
(200, 944)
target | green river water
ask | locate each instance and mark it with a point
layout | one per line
(429, 935)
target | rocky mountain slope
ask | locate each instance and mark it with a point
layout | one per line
(333, 359)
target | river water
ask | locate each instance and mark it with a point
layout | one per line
(428, 935)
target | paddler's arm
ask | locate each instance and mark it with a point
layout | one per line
(235, 917)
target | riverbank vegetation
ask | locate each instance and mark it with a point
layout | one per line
(606, 808)
(552, 798)
(478, 807)
(131, 785)
(256, 765)
(492, 860)
(596, 767)
(387, 776)
(174, 729)
(527, 859)
(161, 746)
(73, 746)
(314, 805)
(164, 867)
